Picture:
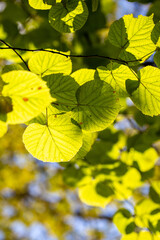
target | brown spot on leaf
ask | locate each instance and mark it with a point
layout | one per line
(81, 123)
(25, 99)
(39, 88)
(114, 91)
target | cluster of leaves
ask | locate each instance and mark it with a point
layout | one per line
(64, 15)
(61, 107)
(67, 114)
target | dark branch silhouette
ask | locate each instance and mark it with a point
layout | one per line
(15, 49)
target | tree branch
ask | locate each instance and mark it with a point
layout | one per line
(9, 47)
(63, 54)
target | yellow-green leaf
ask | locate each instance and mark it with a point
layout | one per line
(40, 4)
(133, 35)
(56, 141)
(147, 212)
(88, 140)
(83, 75)
(145, 160)
(46, 63)
(3, 128)
(116, 75)
(96, 194)
(143, 235)
(124, 221)
(146, 95)
(29, 95)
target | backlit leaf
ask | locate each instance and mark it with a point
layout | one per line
(70, 17)
(146, 96)
(124, 221)
(133, 35)
(156, 34)
(46, 63)
(116, 75)
(41, 4)
(157, 59)
(88, 140)
(97, 106)
(147, 212)
(27, 92)
(11, 67)
(145, 160)
(3, 128)
(56, 141)
(89, 194)
(139, 236)
(83, 75)
(76, 177)
(63, 88)
(155, 191)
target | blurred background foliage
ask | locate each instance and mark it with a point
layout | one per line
(44, 200)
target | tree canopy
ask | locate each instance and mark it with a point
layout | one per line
(80, 87)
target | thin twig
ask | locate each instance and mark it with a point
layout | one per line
(63, 54)
(14, 49)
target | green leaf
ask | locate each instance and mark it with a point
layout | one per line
(70, 17)
(157, 59)
(94, 5)
(83, 75)
(116, 75)
(132, 85)
(118, 33)
(88, 140)
(5, 106)
(132, 179)
(147, 212)
(145, 160)
(77, 177)
(56, 141)
(91, 194)
(154, 192)
(27, 92)
(155, 35)
(12, 67)
(124, 221)
(133, 35)
(46, 63)
(107, 148)
(97, 106)
(122, 192)
(41, 4)
(63, 88)
(3, 128)
(147, 95)
(139, 236)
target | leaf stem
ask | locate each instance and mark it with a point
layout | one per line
(46, 117)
